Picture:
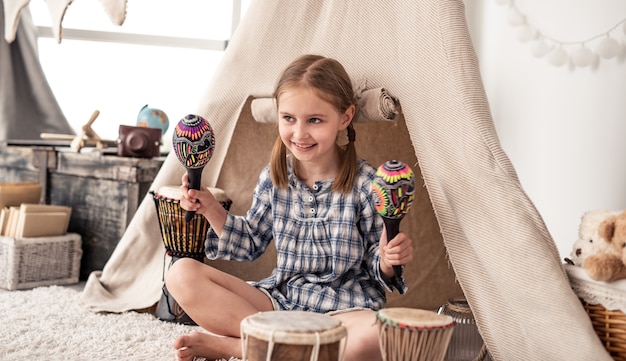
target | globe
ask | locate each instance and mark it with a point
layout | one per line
(153, 118)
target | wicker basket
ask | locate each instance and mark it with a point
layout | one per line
(605, 303)
(610, 327)
(41, 261)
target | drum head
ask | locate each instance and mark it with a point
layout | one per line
(293, 327)
(174, 192)
(170, 192)
(413, 318)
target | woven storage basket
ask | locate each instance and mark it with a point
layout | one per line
(610, 327)
(41, 261)
(604, 303)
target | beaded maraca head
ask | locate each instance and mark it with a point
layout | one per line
(394, 188)
(193, 141)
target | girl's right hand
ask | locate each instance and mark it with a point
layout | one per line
(198, 200)
(203, 202)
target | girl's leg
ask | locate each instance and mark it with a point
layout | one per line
(362, 341)
(217, 302)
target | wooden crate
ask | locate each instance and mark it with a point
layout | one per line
(104, 191)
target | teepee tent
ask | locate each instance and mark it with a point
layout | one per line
(473, 221)
(27, 105)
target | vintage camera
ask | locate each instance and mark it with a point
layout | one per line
(139, 142)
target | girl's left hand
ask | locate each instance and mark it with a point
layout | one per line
(396, 252)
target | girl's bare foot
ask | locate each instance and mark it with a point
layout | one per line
(206, 345)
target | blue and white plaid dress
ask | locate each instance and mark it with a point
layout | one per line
(326, 242)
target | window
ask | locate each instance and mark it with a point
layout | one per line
(163, 55)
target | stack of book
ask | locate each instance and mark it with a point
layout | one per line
(22, 217)
(34, 220)
(14, 194)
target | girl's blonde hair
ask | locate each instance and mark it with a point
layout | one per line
(332, 83)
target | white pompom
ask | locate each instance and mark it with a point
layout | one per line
(516, 18)
(558, 56)
(526, 33)
(608, 48)
(504, 2)
(582, 56)
(539, 48)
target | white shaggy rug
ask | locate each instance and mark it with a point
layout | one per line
(48, 323)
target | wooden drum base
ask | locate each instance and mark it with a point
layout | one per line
(292, 335)
(257, 351)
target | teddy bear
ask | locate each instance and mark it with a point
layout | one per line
(589, 241)
(609, 265)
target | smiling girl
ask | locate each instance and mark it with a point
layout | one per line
(314, 201)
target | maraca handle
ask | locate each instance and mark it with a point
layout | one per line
(392, 225)
(195, 179)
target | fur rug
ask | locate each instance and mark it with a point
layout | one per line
(48, 323)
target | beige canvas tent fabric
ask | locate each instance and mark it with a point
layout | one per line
(115, 10)
(28, 106)
(497, 243)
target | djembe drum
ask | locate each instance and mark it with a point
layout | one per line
(181, 239)
(292, 335)
(407, 334)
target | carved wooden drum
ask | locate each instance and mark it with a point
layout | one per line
(181, 239)
(407, 334)
(292, 335)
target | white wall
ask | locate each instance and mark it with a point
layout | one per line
(564, 128)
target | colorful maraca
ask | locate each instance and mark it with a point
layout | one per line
(193, 142)
(394, 190)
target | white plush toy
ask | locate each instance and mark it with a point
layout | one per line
(589, 241)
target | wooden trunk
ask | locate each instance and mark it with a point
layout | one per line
(103, 191)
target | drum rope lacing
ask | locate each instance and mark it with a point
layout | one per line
(314, 353)
(402, 341)
(270, 347)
